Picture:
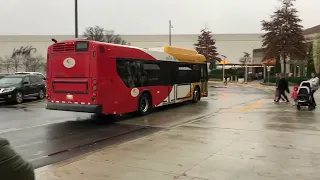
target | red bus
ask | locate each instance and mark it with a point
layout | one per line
(97, 77)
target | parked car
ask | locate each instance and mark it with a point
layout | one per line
(14, 88)
(33, 73)
(3, 75)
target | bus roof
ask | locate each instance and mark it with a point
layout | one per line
(166, 53)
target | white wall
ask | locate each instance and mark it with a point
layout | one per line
(230, 45)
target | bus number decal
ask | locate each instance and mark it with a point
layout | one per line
(134, 92)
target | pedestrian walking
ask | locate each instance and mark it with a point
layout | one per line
(315, 86)
(12, 166)
(226, 80)
(276, 93)
(294, 94)
(283, 87)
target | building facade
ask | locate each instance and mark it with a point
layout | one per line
(230, 45)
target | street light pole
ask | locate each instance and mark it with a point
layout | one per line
(170, 27)
(76, 17)
(246, 71)
(247, 58)
(223, 61)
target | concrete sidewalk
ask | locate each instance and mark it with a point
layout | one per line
(261, 141)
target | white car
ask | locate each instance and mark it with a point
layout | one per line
(33, 73)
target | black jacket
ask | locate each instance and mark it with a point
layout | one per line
(277, 82)
(12, 166)
(283, 85)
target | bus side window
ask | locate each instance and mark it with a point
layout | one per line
(129, 71)
(202, 71)
(205, 72)
(196, 71)
(150, 74)
(185, 74)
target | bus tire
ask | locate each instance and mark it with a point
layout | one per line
(196, 95)
(144, 104)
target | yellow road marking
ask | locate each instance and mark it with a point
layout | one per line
(248, 108)
(265, 88)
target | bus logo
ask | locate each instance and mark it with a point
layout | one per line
(69, 63)
(134, 92)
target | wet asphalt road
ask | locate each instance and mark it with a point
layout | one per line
(44, 137)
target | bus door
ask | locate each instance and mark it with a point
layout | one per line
(168, 73)
(204, 80)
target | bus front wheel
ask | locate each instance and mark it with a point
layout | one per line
(145, 104)
(196, 95)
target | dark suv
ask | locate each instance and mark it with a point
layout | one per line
(14, 88)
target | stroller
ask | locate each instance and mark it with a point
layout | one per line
(304, 96)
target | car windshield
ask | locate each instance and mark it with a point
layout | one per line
(10, 80)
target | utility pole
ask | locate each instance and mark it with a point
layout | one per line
(76, 17)
(170, 27)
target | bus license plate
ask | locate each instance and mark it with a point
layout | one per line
(70, 97)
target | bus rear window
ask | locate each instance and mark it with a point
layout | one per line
(82, 46)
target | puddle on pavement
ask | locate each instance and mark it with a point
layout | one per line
(17, 107)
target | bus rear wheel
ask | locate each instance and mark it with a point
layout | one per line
(196, 95)
(145, 104)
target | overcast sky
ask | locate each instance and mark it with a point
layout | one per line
(144, 16)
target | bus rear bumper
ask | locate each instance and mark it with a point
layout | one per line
(74, 107)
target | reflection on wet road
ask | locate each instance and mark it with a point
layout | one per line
(44, 137)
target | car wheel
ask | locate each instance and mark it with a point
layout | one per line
(145, 104)
(41, 94)
(18, 97)
(196, 95)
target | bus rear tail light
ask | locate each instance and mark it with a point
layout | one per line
(94, 100)
(94, 94)
(94, 82)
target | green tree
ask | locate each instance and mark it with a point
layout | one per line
(206, 46)
(283, 37)
(310, 60)
(98, 33)
(316, 54)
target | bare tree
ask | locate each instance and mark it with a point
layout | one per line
(98, 33)
(94, 33)
(36, 63)
(7, 63)
(1, 64)
(22, 56)
(110, 37)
